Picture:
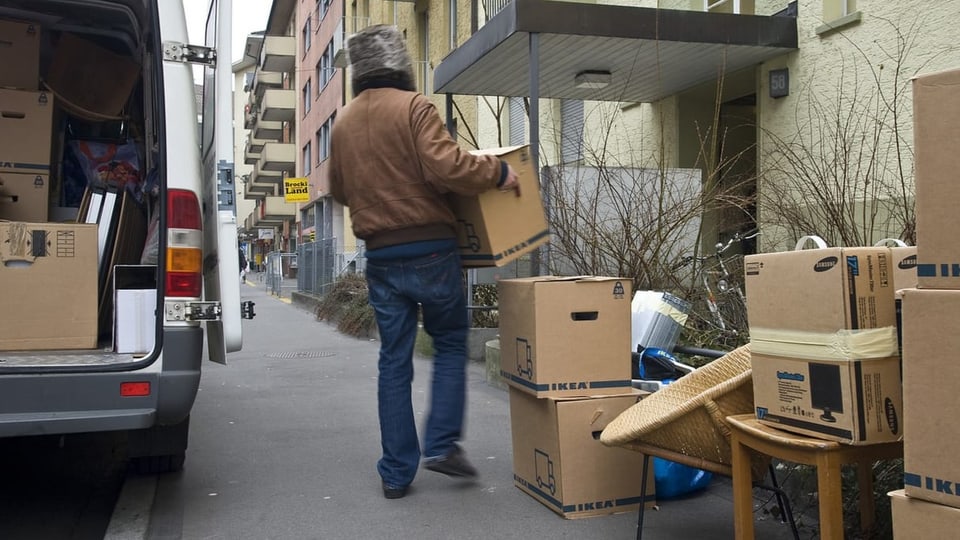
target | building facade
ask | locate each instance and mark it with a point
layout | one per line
(750, 93)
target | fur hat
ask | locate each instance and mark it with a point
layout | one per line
(378, 51)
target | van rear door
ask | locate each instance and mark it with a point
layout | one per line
(221, 251)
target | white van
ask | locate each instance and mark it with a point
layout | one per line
(111, 280)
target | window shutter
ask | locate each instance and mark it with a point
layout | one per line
(518, 121)
(571, 130)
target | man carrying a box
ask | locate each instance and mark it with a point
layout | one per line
(393, 163)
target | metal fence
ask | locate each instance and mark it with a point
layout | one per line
(321, 264)
(281, 271)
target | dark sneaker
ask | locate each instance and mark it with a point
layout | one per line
(394, 492)
(453, 464)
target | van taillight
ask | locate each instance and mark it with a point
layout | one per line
(184, 245)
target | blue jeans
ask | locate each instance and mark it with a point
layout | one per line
(396, 286)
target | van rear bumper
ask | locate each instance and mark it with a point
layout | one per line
(39, 403)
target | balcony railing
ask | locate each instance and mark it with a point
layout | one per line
(279, 53)
(264, 80)
(278, 105)
(278, 157)
(267, 130)
(277, 209)
(492, 7)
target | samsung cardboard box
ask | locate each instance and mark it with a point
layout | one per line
(915, 518)
(904, 267)
(26, 125)
(48, 283)
(24, 197)
(19, 55)
(936, 109)
(931, 370)
(824, 345)
(559, 460)
(565, 336)
(856, 401)
(496, 227)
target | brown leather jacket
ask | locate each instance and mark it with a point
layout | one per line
(394, 163)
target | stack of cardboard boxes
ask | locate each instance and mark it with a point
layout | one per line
(565, 352)
(929, 504)
(47, 270)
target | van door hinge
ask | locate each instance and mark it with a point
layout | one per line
(192, 311)
(189, 54)
(246, 310)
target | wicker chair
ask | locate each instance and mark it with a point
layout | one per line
(685, 422)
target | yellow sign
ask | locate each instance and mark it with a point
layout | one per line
(296, 190)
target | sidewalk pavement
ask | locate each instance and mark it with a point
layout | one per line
(300, 401)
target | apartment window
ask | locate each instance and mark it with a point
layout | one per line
(323, 139)
(307, 96)
(321, 136)
(323, 6)
(571, 130)
(307, 34)
(835, 9)
(325, 67)
(452, 12)
(306, 159)
(518, 120)
(319, 75)
(739, 7)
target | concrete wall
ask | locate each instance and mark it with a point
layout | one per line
(856, 70)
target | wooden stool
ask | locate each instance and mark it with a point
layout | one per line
(747, 434)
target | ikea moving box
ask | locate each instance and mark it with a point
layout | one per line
(19, 55)
(915, 518)
(496, 227)
(936, 130)
(823, 343)
(24, 197)
(559, 460)
(931, 371)
(26, 123)
(48, 283)
(565, 336)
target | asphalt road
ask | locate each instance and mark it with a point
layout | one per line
(53, 487)
(284, 444)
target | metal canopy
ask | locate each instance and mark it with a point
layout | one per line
(650, 53)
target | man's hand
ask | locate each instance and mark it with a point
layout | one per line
(512, 181)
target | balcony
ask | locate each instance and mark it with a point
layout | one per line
(264, 80)
(250, 156)
(279, 53)
(262, 220)
(260, 176)
(267, 131)
(277, 209)
(278, 105)
(256, 190)
(255, 145)
(278, 157)
(260, 186)
(250, 195)
(249, 116)
(346, 28)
